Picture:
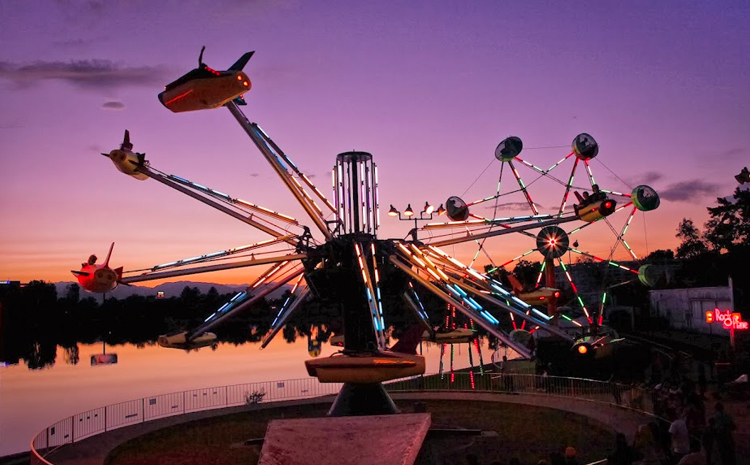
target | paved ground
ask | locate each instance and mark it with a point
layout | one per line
(93, 451)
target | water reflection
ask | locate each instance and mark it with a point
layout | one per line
(34, 399)
(46, 344)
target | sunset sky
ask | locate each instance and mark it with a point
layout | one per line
(429, 88)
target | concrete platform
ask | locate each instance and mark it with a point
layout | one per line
(356, 440)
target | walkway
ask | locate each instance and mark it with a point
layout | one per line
(93, 451)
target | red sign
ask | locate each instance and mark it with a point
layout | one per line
(727, 319)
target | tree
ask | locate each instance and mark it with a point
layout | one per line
(527, 272)
(73, 293)
(661, 255)
(692, 244)
(729, 226)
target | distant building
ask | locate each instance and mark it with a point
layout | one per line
(686, 308)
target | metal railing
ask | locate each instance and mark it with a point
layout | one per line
(111, 417)
(629, 396)
(103, 419)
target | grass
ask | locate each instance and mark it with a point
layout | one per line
(529, 433)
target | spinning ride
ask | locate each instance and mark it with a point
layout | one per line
(553, 241)
(339, 258)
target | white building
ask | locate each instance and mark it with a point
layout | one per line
(686, 308)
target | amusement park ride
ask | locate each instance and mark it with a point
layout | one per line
(98, 278)
(339, 258)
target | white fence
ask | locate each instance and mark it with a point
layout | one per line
(100, 420)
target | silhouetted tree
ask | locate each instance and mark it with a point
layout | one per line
(729, 225)
(692, 244)
(661, 255)
(527, 272)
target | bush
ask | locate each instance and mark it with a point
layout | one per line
(255, 397)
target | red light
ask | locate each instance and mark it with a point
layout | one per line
(541, 297)
(607, 204)
(245, 84)
(557, 294)
(710, 317)
(582, 349)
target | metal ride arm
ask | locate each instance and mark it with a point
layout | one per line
(214, 256)
(501, 232)
(274, 156)
(456, 283)
(416, 307)
(287, 310)
(181, 187)
(245, 299)
(209, 268)
(485, 320)
(373, 294)
(480, 221)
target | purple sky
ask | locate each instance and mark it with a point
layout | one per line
(429, 88)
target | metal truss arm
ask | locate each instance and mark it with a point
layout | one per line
(213, 256)
(287, 310)
(210, 268)
(373, 294)
(481, 319)
(272, 156)
(213, 203)
(501, 232)
(224, 313)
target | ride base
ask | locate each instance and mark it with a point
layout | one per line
(361, 400)
(357, 440)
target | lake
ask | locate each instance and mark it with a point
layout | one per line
(31, 400)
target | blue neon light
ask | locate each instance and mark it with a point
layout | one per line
(543, 315)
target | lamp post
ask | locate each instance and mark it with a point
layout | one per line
(427, 213)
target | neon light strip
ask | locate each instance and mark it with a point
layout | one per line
(621, 237)
(523, 188)
(575, 290)
(287, 302)
(541, 273)
(531, 165)
(377, 322)
(567, 188)
(603, 260)
(561, 160)
(232, 200)
(223, 253)
(378, 298)
(296, 170)
(588, 170)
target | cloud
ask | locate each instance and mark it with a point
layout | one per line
(686, 191)
(649, 177)
(85, 74)
(113, 105)
(73, 43)
(11, 124)
(254, 175)
(732, 153)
